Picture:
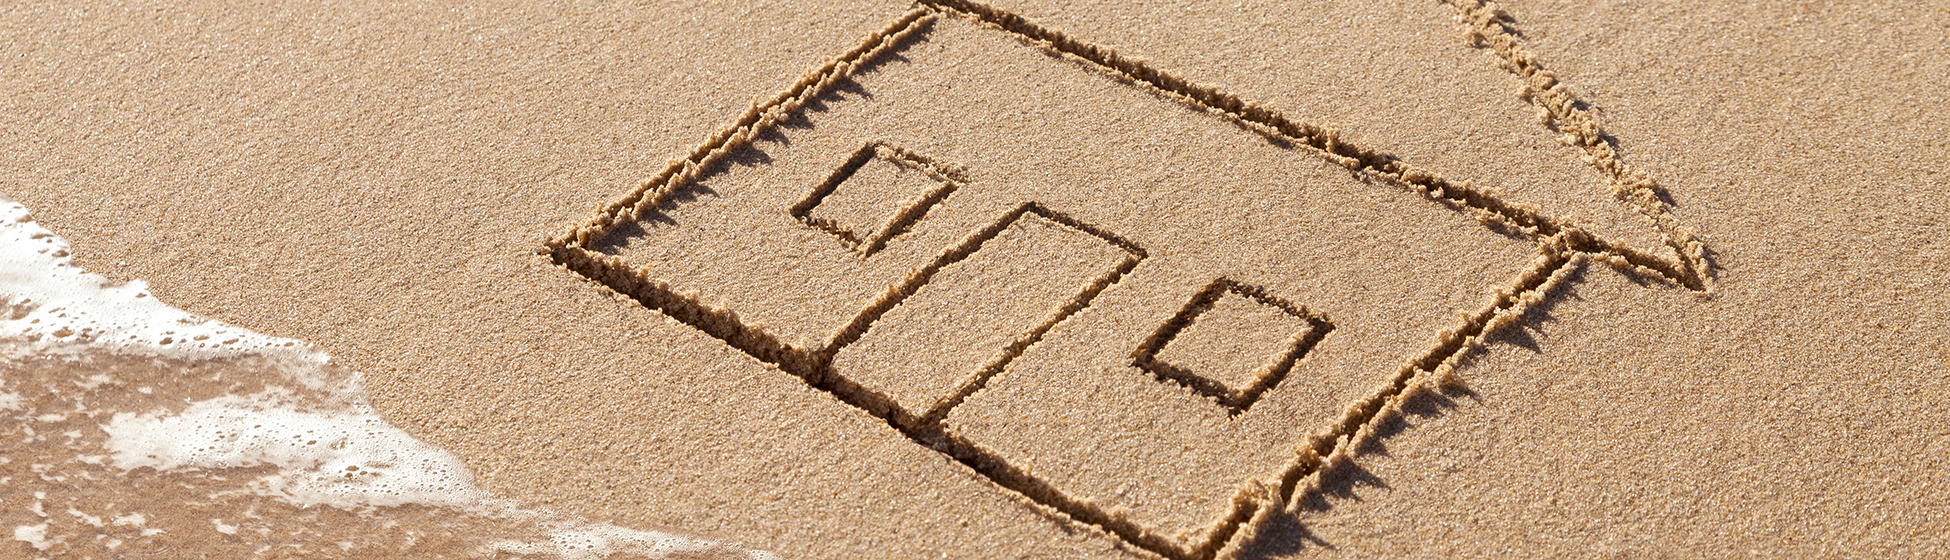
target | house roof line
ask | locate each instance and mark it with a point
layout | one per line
(1564, 248)
(1486, 25)
(1688, 270)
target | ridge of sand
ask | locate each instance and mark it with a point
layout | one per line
(593, 251)
(373, 179)
(1389, 76)
(1489, 26)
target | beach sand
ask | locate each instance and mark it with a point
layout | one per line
(1706, 249)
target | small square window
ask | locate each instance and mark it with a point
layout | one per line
(1232, 342)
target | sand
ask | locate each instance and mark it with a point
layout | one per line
(1704, 247)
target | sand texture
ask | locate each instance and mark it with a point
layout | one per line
(1047, 279)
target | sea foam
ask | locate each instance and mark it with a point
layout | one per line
(104, 436)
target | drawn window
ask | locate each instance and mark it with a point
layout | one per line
(852, 205)
(1232, 342)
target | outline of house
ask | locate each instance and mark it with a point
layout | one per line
(1562, 247)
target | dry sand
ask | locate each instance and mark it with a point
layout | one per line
(397, 184)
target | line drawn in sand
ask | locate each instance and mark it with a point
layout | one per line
(869, 233)
(1277, 355)
(918, 260)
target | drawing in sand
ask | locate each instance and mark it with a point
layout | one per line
(1065, 323)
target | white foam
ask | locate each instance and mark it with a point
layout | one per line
(133, 519)
(34, 535)
(50, 300)
(336, 451)
(346, 458)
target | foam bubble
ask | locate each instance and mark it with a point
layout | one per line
(345, 458)
(305, 433)
(33, 535)
(50, 300)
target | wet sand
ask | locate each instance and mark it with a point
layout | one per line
(395, 186)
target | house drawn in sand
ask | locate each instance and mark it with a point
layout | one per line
(1139, 302)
